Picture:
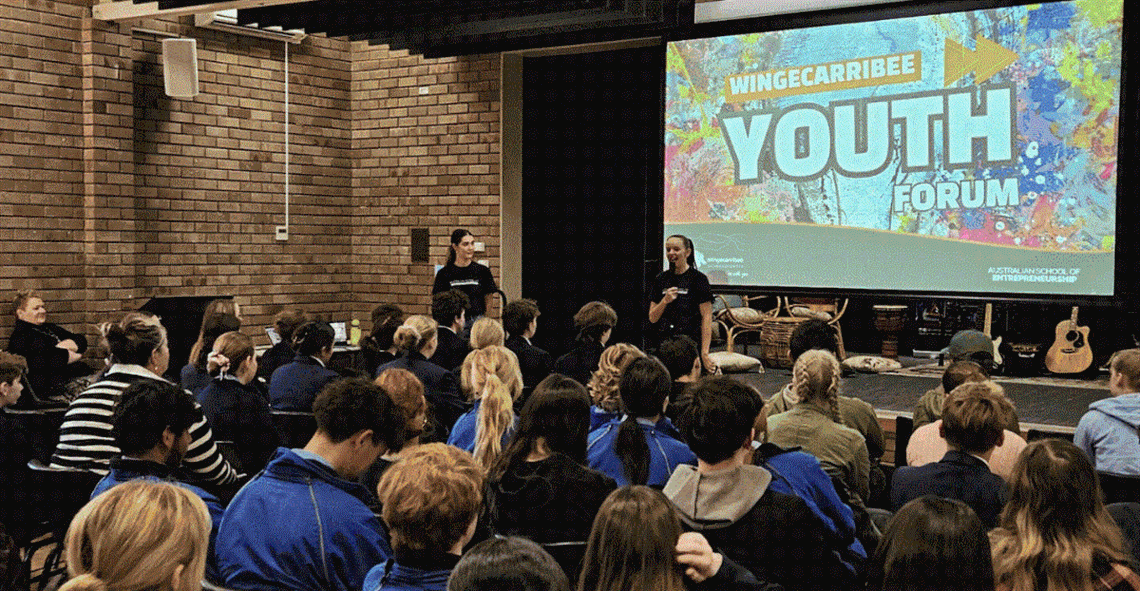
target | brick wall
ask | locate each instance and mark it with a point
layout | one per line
(41, 156)
(113, 192)
(426, 137)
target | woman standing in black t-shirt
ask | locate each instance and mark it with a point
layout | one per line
(463, 273)
(681, 300)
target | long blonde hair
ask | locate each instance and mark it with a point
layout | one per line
(494, 377)
(1055, 524)
(603, 384)
(815, 378)
(135, 535)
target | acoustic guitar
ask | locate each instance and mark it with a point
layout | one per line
(1070, 352)
(998, 361)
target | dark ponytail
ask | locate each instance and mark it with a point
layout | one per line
(313, 337)
(644, 387)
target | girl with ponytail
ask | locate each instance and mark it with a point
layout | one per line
(681, 300)
(816, 425)
(236, 410)
(295, 385)
(416, 341)
(141, 534)
(496, 382)
(632, 449)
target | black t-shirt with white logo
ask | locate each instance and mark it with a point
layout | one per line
(475, 280)
(683, 316)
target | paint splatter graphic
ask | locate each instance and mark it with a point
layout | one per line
(1065, 83)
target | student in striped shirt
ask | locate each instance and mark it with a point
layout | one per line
(138, 352)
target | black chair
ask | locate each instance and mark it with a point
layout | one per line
(42, 424)
(904, 428)
(294, 427)
(1118, 488)
(39, 520)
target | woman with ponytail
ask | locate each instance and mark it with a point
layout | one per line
(816, 425)
(295, 385)
(681, 299)
(631, 449)
(139, 535)
(237, 410)
(416, 340)
(595, 322)
(463, 273)
(496, 382)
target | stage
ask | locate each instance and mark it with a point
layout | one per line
(1048, 403)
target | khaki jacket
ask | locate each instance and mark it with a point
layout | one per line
(809, 427)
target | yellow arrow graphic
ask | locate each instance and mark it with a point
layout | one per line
(987, 59)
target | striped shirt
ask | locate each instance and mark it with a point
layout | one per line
(87, 443)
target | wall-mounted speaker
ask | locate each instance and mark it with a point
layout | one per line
(180, 67)
(421, 245)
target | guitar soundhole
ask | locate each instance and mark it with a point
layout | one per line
(1076, 338)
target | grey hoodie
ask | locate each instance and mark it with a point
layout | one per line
(1108, 434)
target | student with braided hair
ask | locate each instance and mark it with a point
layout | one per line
(496, 382)
(815, 423)
(633, 449)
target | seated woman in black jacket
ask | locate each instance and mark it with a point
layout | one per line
(235, 409)
(540, 487)
(52, 352)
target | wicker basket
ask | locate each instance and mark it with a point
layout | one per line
(774, 337)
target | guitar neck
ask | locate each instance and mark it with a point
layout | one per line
(1073, 318)
(989, 320)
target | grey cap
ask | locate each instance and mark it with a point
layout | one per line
(968, 344)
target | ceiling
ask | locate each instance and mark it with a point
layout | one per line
(437, 28)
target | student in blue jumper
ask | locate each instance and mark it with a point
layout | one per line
(303, 523)
(493, 375)
(431, 500)
(632, 449)
(295, 385)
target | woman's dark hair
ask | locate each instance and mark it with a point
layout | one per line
(514, 564)
(678, 353)
(213, 326)
(558, 411)
(933, 543)
(644, 387)
(593, 320)
(135, 338)
(313, 337)
(457, 236)
(692, 258)
(386, 318)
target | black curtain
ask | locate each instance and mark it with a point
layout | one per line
(591, 186)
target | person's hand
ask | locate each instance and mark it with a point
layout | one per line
(68, 344)
(696, 556)
(710, 365)
(670, 295)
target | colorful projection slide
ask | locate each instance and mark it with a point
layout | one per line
(965, 152)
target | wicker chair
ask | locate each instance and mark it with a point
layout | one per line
(829, 310)
(736, 316)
